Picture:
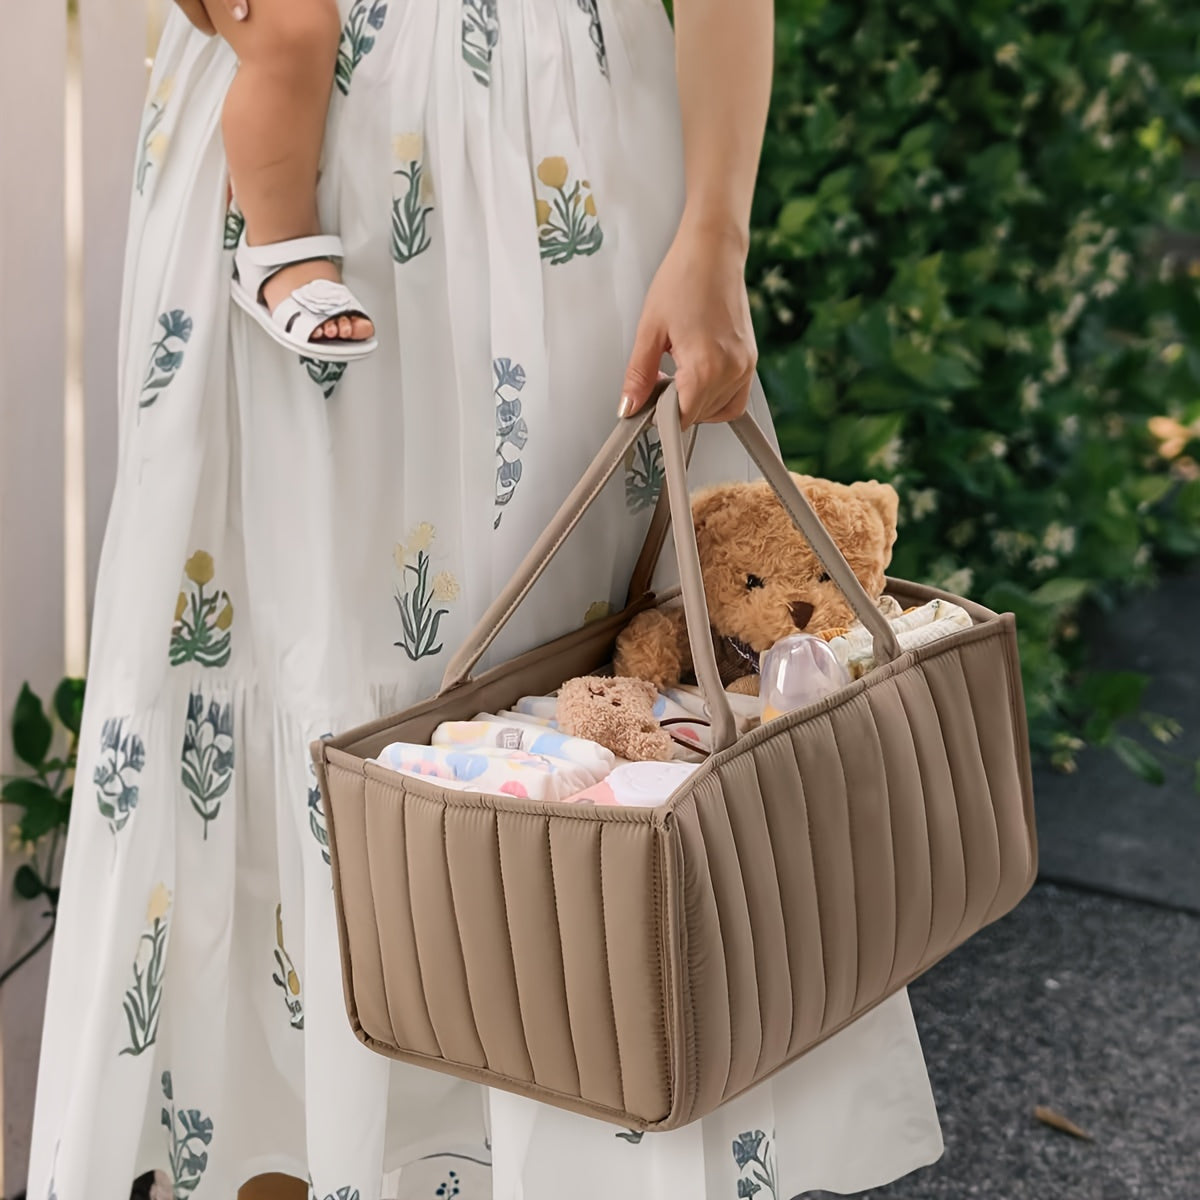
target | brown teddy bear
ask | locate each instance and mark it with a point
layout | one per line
(762, 579)
(617, 713)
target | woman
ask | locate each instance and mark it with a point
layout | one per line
(293, 549)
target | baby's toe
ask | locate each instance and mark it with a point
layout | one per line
(317, 334)
(345, 328)
(363, 329)
(331, 330)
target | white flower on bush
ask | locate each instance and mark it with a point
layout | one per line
(1019, 341)
(774, 281)
(1031, 396)
(1009, 55)
(1010, 544)
(1059, 538)
(1041, 563)
(1096, 114)
(922, 502)
(959, 582)
(1177, 204)
(997, 447)
(1141, 556)
(1066, 319)
(1119, 262)
(1104, 289)
(889, 455)
(1070, 425)
(1118, 63)
(1058, 369)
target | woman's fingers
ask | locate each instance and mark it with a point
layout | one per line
(643, 370)
(737, 406)
(196, 13)
(713, 377)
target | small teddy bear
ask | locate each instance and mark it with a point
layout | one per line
(762, 579)
(616, 713)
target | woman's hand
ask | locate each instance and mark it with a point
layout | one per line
(195, 12)
(697, 311)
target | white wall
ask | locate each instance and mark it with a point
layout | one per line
(69, 104)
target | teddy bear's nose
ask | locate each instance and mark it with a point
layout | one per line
(801, 612)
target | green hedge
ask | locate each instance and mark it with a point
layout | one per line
(961, 284)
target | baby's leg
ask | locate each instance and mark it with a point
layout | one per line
(274, 125)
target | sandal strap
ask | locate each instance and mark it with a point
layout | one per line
(276, 255)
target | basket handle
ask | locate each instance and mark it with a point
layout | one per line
(664, 407)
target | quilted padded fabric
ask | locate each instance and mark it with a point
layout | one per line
(645, 965)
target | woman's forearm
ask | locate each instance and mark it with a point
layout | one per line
(724, 51)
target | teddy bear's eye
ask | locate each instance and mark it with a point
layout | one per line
(823, 577)
(753, 581)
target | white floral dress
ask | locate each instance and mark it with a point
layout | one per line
(294, 548)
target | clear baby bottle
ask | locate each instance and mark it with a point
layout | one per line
(796, 672)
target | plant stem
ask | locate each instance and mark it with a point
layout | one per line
(13, 968)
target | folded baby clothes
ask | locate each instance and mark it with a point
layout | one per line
(493, 770)
(491, 731)
(916, 627)
(542, 709)
(638, 784)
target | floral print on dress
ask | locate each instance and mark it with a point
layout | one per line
(143, 999)
(365, 20)
(166, 356)
(207, 770)
(413, 200)
(567, 224)
(316, 811)
(754, 1154)
(189, 1133)
(326, 375)
(152, 145)
(422, 602)
(596, 32)
(201, 632)
(285, 976)
(234, 224)
(632, 1136)
(449, 1188)
(122, 757)
(480, 33)
(644, 474)
(512, 432)
(598, 610)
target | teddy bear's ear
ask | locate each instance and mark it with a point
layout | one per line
(884, 499)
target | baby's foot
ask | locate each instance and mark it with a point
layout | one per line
(284, 282)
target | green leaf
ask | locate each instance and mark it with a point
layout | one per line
(68, 703)
(796, 214)
(31, 729)
(1138, 759)
(1062, 592)
(1114, 694)
(39, 821)
(27, 793)
(28, 883)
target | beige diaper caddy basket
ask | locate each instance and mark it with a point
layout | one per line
(644, 965)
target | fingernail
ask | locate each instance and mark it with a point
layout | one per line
(239, 13)
(626, 407)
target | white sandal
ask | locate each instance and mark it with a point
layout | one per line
(308, 307)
